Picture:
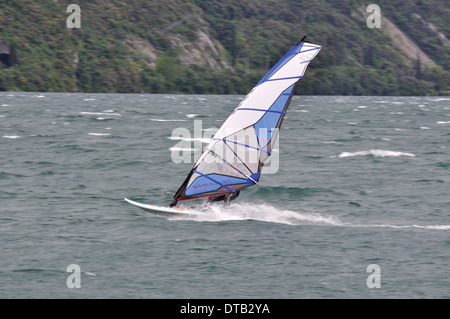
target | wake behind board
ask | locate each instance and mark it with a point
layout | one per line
(166, 211)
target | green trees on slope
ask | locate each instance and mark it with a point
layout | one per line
(249, 38)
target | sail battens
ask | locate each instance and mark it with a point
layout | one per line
(234, 167)
(234, 157)
(242, 144)
(212, 179)
(261, 110)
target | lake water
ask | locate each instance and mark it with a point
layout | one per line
(359, 181)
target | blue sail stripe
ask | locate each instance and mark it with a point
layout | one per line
(213, 180)
(262, 110)
(249, 146)
(290, 78)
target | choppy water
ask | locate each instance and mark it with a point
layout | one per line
(361, 181)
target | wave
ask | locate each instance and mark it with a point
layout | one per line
(164, 120)
(440, 99)
(289, 192)
(272, 214)
(100, 134)
(430, 227)
(375, 153)
(261, 212)
(107, 112)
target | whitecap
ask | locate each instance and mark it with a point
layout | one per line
(376, 153)
(424, 128)
(99, 134)
(440, 99)
(299, 111)
(438, 227)
(163, 120)
(443, 122)
(429, 227)
(191, 115)
(12, 136)
(99, 113)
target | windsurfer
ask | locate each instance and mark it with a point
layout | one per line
(225, 198)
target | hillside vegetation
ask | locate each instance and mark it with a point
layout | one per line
(223, 46)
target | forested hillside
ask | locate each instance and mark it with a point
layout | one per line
(223, 46)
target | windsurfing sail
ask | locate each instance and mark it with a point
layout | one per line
(234, 157)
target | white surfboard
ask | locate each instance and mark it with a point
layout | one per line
(167, 211)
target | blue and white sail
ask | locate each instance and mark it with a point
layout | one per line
(234, 157)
